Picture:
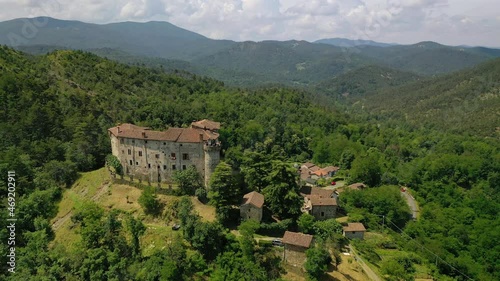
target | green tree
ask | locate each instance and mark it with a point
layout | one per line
(189, 180)
(224, 190)
(366, 169)
(317, 262)
(149, 202)
(282, 193)
(306, 223)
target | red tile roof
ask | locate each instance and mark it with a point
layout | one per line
(206, 125)
(253, 198)
(171, 134)
(297, 239)
(354, 226)
(322, 201)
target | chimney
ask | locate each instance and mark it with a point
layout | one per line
(201, 137)
(119, 131)
(144, 134)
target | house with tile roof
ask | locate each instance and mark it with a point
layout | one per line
(154, 156)
(319, 202)
(355, 230)
(296, 245)
(251, 206)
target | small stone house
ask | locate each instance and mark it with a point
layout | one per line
(319, 202)
(296, 245)
(355, 230)
(320, 207)
(251, 206)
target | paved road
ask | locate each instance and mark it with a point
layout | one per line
(411, 203)
(369, 272)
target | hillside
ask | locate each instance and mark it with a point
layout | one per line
(56, 109)
(464, 102)
(428, 58)
(364, 81)
(151, 39)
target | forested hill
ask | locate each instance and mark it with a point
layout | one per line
(293, 63)
(364, 81)
(464, 102)
(428, 58)
(56, 109)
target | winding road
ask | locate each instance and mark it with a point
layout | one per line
(412, 203)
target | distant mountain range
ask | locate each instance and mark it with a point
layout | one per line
(299, 63)
(342, 42)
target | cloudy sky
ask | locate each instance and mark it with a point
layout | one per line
(452, 22)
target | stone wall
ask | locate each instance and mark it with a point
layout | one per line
(323, 212)
(155, 161)
(249, 211)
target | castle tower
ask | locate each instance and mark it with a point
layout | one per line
(212, 158)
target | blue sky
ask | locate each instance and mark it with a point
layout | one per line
(451, 22)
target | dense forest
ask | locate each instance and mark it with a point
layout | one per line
(54, 117)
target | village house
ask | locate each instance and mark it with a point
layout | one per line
(251, 206)
(154, 156)
(355, 230)
(296, 245)
(319, 202)
(309, 172)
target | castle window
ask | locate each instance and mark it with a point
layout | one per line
(157, 156)
(322, 214)
(133, 141)
(185, 156)
(140, 153)
(145, 141)
(164, 143)
(173, 167)
(129, 152)
(121, 141)
(164, 167)
(184, 167)
(137, 163)
(172, 156)
(130, 162)
(149, 166)
(123, 151)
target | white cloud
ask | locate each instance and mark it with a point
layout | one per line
(405, 21)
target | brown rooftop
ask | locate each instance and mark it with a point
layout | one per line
(253, 198)
(206, 125)
(308, 164)
(321, 201)
(307, 191)
(297, 239)
(354, 226)
(192, 135)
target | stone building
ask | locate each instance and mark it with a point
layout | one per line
(154, 155)
(319, 202)
(251, 207)
(355, 230)
(296, 245)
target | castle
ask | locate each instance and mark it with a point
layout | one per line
(155, 155)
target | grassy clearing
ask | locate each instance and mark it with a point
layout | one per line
(96, 186)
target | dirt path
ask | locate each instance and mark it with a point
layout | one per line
(369, 272)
